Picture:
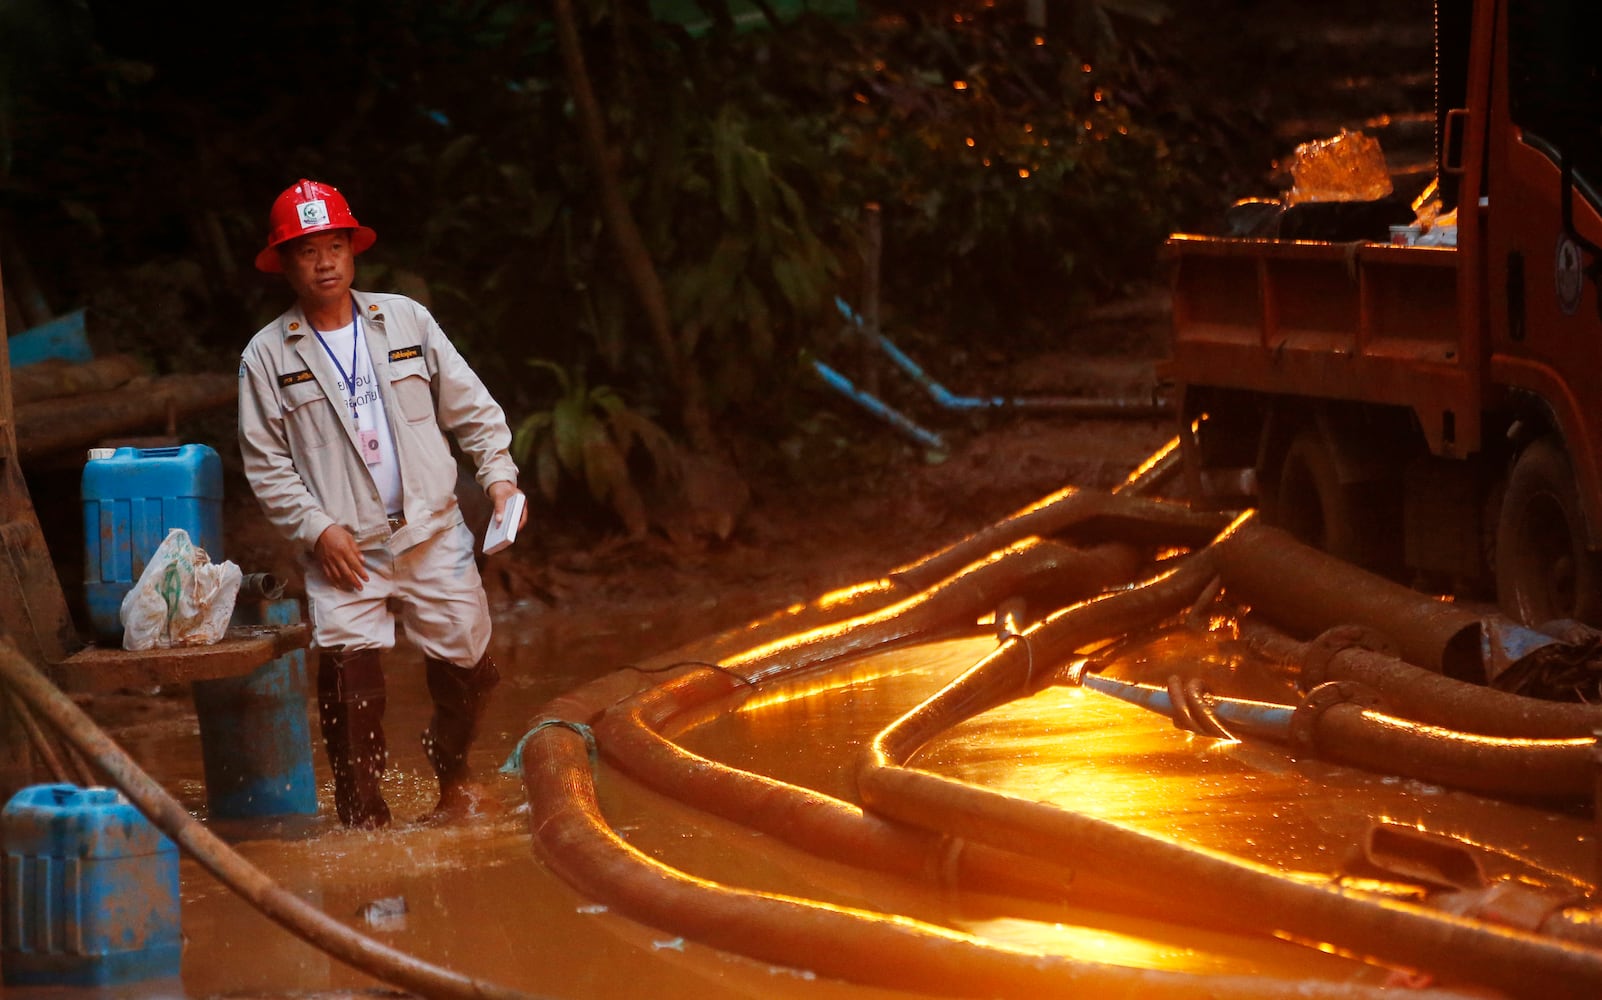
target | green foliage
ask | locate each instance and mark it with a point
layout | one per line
(591, 437)
(740, 257)
(747, 156)
(1019, 179)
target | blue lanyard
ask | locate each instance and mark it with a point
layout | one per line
(355, 347)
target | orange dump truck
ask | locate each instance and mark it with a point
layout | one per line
(1435, 411)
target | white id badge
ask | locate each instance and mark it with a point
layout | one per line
(369, 442)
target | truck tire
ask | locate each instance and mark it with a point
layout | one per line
(1544, 571)
(1310, 502)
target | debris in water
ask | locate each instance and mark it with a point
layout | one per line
(677, 944)
(385, 914)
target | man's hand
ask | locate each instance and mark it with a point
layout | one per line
(340, 559)
(500, 492)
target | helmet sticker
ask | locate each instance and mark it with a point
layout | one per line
(313, 213)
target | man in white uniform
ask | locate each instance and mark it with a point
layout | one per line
(344, 404)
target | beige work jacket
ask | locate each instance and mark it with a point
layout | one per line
(300, 446)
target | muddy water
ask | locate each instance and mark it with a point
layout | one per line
(475, 898)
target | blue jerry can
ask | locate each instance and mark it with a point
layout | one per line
(131, 498)
(91, 891)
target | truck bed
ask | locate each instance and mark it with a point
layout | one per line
(1366, 322)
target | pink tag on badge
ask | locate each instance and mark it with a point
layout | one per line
(369, 443)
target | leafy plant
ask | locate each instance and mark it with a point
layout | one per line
(745, 157)
(591, 436)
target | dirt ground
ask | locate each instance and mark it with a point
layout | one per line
(859, 502)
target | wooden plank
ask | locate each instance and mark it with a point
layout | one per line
(17, 756)
(243, 649)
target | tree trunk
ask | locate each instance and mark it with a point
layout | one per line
(55, 377)
(625, 232)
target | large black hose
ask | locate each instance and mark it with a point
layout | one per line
(1412, 692)
(1496, 765)
(276, 903)
(1308, 591)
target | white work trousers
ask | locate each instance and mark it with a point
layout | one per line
(435, 588)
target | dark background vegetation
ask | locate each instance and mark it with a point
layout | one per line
(1023, 176)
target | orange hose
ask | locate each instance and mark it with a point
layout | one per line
(1130, 518)
(1450, 947)
(895, 952)
(820, 823)
(855, 945)
(859, 946)
(804, 818)
(959, 600)
(1407, 935)
(1496, 765)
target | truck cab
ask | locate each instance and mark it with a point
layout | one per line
(1431, 411)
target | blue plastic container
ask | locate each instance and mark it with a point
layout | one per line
(131, 498)
(254, 737)
(62, 337)
(91, 891)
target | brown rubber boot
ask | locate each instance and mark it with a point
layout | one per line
(460, 696)
(350, 703)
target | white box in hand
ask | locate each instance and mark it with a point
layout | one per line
(500, 535)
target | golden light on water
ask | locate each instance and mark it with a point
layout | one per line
(833, 681)
(1096, 945)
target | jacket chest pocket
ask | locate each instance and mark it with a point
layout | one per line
(307, 414)
(409, 381)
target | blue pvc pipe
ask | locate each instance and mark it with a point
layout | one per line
(943, 396)
(878, 408)
(949, 400)
(1262, 718)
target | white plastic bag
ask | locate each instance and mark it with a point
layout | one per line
(181, 599)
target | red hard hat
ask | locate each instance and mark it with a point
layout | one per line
(309, 207)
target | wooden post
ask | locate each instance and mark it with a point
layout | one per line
(16, 752)
(33, 609)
